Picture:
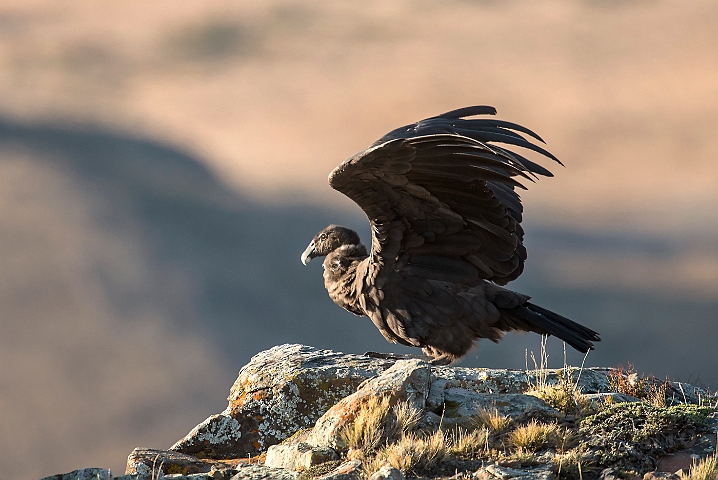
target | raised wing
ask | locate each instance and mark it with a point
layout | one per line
(440, 195)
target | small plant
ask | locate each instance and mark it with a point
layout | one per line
(404, 419)
(564, 398)
(533, 436)
(372, 464)
(318, 470)
(564, 439)
(627, 381)
(366, 432)
(522, 457)
(414, 453)
(705, 469)
(630, 435)
(492, 420)
(469, 443)
(572, 463)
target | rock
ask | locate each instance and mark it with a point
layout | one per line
(542, 472)
(609, 474)
(660, 476)
(83, 474)
(598, 399)
(148, 463)
(387, 472)
(679, 392)
(290, 403)
(406, 380)
(350, 470)
(298, 456)
(460, 405)
(261, 472)
(279, 392)
(487, 380)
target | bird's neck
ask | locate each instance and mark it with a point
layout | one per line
(340, 275)
(339, 261)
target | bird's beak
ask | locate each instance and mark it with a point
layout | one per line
(308, 254)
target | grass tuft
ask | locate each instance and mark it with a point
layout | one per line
(404, 419)
(705, 469)
(572, 463)
(413, 453)
(492, 420)
(627, 381)
(469, 444)
(564, 397)
(366, 432)
(533, 436)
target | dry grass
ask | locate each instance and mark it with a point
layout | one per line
(492, 420)
(404, 419)
(416, 453)
(469, 443)
(375, 425)
(411, 453)
(533, 436)
(571, 463)
(564, 397)
(564, 439)
(366, 432)
(705, 469)
(627, 381)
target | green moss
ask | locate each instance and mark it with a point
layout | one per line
(173, 468)
(632, 435)
(319, 470)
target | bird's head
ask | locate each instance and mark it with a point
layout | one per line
(329, 240)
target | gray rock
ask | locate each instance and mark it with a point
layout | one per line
(83, 474)
(280, 391)
(542, 472)
(598, 399)
(350, 470)
(387, 472)
(261, 472)
(460, 406)
(406, 380)
(298, 456)
(660, 476)
(679, 392)
(147, 463)
(487, 380)
(609, 474)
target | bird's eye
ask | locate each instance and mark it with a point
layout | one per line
(323, 236)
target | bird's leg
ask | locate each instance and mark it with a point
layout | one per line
(438, 357)
(441, 361)
(397, 356)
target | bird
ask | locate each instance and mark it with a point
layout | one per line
(446, 236)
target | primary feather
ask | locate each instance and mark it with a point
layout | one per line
(441, 198)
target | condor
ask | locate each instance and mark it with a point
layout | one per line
(445, 218)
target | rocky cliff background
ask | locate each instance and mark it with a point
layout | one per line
(162, 167)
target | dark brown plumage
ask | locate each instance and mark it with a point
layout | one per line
(446, 235)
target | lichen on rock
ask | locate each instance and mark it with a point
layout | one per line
(296, 411)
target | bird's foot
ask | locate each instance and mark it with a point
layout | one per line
(397, 356)
(441, 361)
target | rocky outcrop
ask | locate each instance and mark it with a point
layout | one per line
(279, 392)
(291, 407)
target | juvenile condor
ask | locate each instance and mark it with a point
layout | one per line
(446, 236)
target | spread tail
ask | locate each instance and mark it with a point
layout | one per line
(540, 320)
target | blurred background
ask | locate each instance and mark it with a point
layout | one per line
(163, 165)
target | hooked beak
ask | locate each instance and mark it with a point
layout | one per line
(308, 254)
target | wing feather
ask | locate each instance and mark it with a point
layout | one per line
(441, 197)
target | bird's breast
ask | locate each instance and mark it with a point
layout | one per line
(342, 288)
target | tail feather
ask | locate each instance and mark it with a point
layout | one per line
(547, 322)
